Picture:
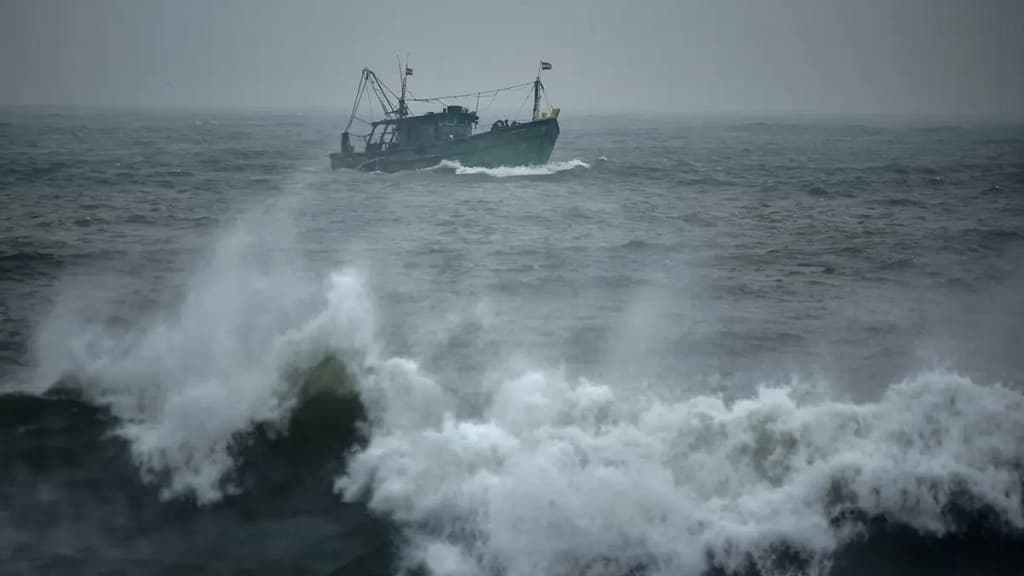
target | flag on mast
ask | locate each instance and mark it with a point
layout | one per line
(408, 71)
(545, 65)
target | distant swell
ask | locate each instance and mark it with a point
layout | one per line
(510, 171)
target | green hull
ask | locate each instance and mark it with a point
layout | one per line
(524, 144)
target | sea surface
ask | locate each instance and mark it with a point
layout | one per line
(687, 346)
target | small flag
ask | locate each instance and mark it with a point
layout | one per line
(408, 71)
(545, 65)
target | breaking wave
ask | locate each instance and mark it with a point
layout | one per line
(510, 171)
(186, 382)
(565, 477)
(540, 473)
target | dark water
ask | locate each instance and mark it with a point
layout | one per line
(696, 346)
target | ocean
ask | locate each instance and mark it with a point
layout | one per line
(683, 346)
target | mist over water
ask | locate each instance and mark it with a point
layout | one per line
(724, 346)
(927, 57)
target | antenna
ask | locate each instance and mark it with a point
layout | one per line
(401, 75)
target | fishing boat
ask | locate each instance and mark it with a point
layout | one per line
(404, 141)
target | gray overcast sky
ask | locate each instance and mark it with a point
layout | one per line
(688, 56)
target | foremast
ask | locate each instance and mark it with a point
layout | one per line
(386, 98)
(538, 87)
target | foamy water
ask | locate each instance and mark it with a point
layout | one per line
(540, 358)
(510, 171)
(553, 474)
(559, 475)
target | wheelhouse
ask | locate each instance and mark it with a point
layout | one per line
(453, 123)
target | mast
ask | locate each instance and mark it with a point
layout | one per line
(536, 95)
(537, 87)
(404, 73)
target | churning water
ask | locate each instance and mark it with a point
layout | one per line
(686, 347)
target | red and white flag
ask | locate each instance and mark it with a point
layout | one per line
(545, 65)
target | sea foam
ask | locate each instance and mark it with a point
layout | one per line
(562, 477)
(510, 171)
(544, 474)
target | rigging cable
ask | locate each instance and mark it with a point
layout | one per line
(491, 101)
(359, 96)
(469, 94)
(518, 112)
(383, 91)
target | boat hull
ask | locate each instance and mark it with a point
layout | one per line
(524, 144)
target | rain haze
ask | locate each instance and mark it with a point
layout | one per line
(930, 57)
(591, 288)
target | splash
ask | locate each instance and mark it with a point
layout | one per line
(565, 477)
(542, 473)
(185, 381)
(552, 475)
(510, 171)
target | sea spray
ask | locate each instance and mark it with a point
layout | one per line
(186, 380)
(546, 473)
